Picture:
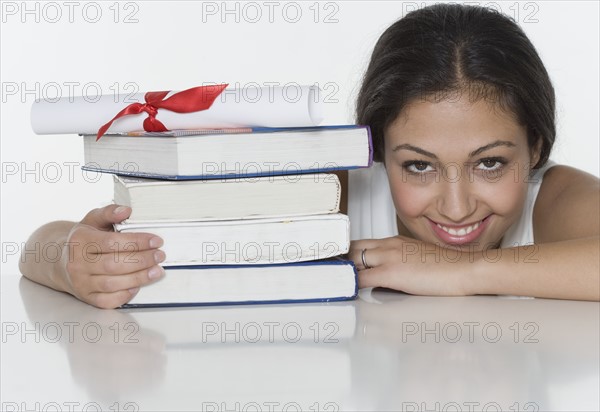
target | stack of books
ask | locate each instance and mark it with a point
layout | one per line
(247, 215)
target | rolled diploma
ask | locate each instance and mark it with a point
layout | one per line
(299, 106)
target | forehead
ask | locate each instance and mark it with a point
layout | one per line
(453, 124)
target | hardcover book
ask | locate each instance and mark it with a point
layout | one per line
(219, 154)
(315, 281)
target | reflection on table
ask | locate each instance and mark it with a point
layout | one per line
(384, 351)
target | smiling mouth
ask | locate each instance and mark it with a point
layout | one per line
(459, 235)
(459, 232)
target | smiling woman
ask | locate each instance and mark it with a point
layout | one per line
(460, 194)
(462, 114)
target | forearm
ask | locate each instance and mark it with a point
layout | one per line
(46, 270)
(561, 270)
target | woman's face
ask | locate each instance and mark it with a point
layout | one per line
(458, 172)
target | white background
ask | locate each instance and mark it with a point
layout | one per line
(57, 49)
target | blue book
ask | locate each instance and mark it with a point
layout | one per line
(229, 153)
(314, 281)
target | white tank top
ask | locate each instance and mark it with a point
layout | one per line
(373, 215)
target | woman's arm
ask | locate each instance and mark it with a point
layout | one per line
(563, 264)
(567, 269)
(34, 266)
(96, 264)
(560, 270)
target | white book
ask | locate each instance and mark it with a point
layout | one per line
(154, 200)
(218, 154)
(323, 280)
(252, 241)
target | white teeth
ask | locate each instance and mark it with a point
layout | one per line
(460, 232)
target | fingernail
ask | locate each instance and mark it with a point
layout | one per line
(155, 272)
(119, 210)
(156, 242)
(159, 256)
(133, 291)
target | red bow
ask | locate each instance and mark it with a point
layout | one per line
(187, 101)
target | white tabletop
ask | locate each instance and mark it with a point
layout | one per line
(384, 351)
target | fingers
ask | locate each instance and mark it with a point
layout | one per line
(373, 253)
(380, 251)
(370, 258)
(110, 291)
(94, 241)
(106, 268)
(371, 278)
(111, 300)
(138, 279)
(103, 218)
(365, 244)
(115, 263)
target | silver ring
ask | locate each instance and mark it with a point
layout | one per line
(364, 260)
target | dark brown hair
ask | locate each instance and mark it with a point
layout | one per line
(444, 49)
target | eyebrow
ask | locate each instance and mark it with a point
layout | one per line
(491, 146)
(407, 146)
(475, 152)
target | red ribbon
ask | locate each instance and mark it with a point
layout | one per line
(191, 100)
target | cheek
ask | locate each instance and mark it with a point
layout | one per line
(504, 197)
(410, 200)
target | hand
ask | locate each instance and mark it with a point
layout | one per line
(411, 266)
(105, 268)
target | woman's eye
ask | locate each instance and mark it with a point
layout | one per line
(419, 167)
(490, 164)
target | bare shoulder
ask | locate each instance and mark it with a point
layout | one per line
(567, 206)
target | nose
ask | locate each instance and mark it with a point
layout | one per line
(456, 200)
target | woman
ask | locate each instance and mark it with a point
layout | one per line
(462, 114)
